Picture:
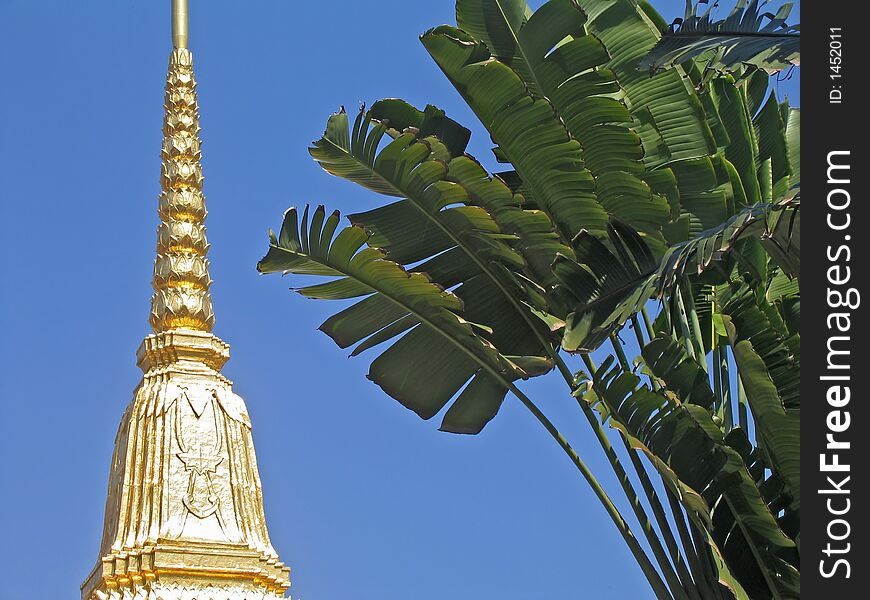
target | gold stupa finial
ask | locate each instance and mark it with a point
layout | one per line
(179, 23)
(181, 280)
(184, 511)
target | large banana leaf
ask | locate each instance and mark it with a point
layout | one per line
(526, 128)
(747, 36)
(438, 353)
(431, 216)
(536, 239)
(443, 226)
(451, 212)
(669, 118)
(555, 56)
(552, 54)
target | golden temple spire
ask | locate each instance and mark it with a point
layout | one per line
(181, 279)
(184, 511)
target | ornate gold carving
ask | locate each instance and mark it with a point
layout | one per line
(190, 348)
(213, 590)
(184, 205)
(201, 459)
(185, 499)
(184, 511)
(181, 270)
(182, 308)
(181, 280)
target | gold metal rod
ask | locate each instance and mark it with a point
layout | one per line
(184, 514)
(179, 23)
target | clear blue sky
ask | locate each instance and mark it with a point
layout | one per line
(364, 500)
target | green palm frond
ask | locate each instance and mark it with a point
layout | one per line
(553, 55)
(439, 351)
(451, 221)
(747, 36)
(606, 284)
(697, 461)
(670, 120)
(526, 128)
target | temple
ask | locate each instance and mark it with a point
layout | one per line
(184, 512)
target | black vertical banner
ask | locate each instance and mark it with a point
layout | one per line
(835, 418)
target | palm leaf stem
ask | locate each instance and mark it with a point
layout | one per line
(625, 482)
(658, 509)
(717, 382)
(641, 342)
(688, 300)
(683, 323)
(700, 564)
(756, 554)
(630, 492)
(724, 377)
(721, 388)
(620, 353)
(700, 554)
(742, 405)
(670, 326)
(647, 323)
(687, 583)
(622, 475)
(642, 475)
(655, 581)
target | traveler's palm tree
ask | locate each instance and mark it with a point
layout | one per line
(642, 174)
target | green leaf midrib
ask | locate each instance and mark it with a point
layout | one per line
(367, 166)
(756, 554)
(713, 34)
(631, 284)
(515, 36)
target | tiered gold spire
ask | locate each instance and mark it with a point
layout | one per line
(184, 513)
(181, 280)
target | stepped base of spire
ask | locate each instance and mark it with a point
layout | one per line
(187, 572)
(192, 349)
(185, 504)
(181, 591)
